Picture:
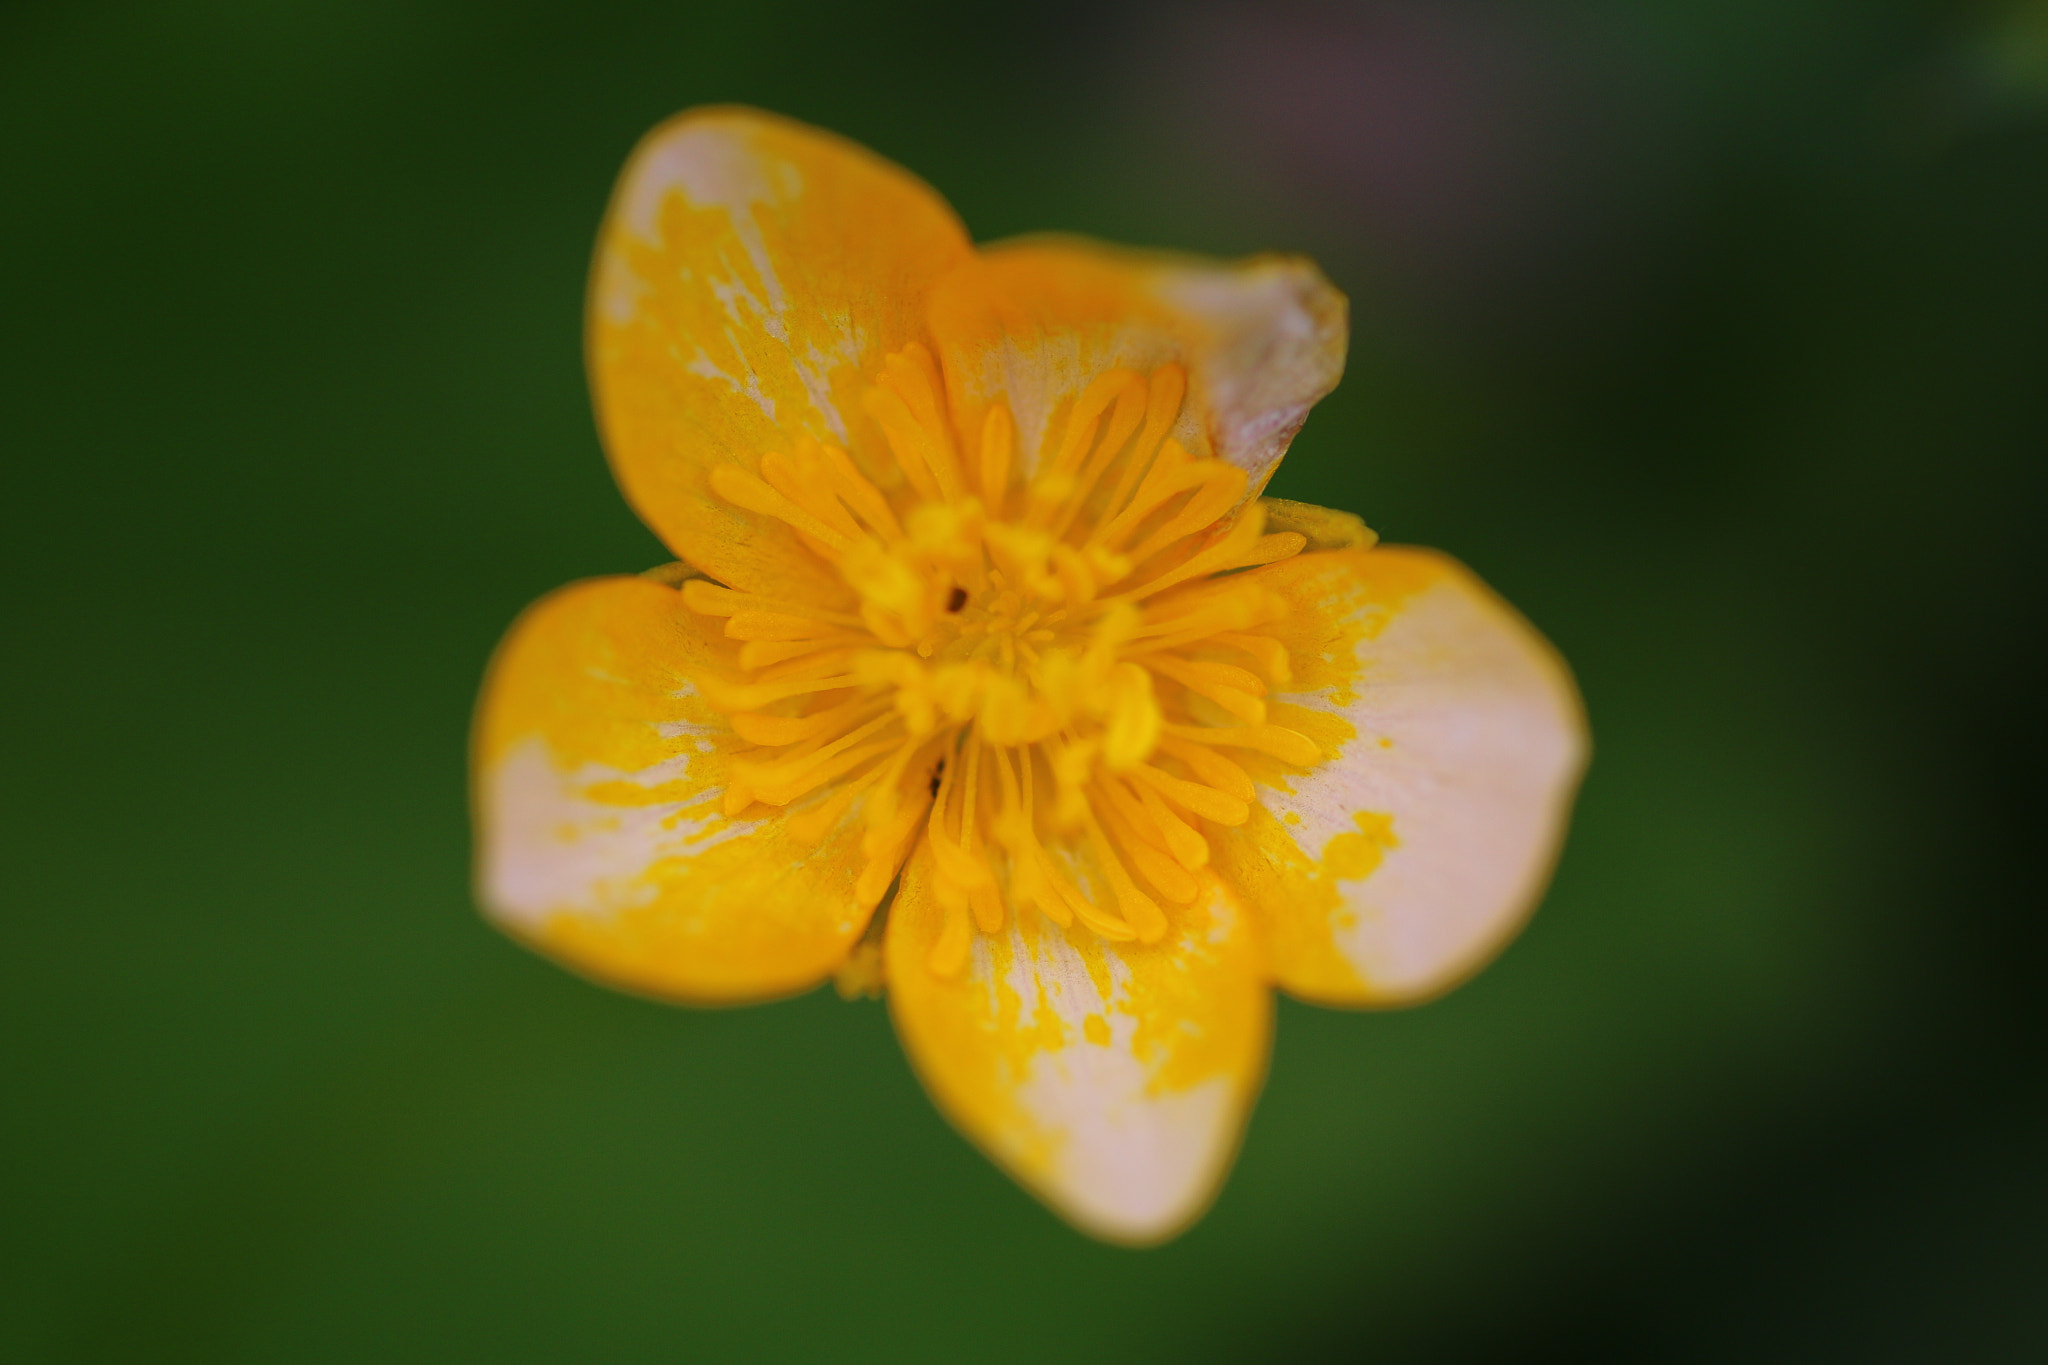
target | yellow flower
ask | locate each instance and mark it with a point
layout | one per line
(987, 673)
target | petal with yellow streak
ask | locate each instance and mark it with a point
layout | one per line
(751, 275)
(1456, 741)
(1033, 322)
(1112, 1080)
(598, 773)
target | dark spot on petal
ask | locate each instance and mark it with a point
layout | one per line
(957, 600)
(937, 773)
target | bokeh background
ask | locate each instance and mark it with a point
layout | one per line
(1713, 332)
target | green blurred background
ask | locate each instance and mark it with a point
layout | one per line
(1713, 332)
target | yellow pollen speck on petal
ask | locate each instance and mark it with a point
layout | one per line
(1352, 856)
(1314, 887)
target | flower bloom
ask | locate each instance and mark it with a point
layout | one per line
(986, 673)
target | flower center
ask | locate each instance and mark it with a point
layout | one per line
(1035, 671)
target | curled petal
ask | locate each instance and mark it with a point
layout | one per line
(1034, 322)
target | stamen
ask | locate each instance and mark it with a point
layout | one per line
(775, 731)
(710, 599)
(1140, 911)
(905, 403)
(885, 846)
(1226, 553)
(904, 438)
(1289, 746)
(863, 497)
(1105, 389)
(800, 478)
(892, 825)
(1123, 420)
(888, 799)
(732, 696)
(769, 627)
(1033, 877)
(998, 441)
(1200, 611)
(982, 897)
(1190, 848)
(1212, 767)
(1193, 797)
(1168, 386)
(956, 865)
(780, 782)
(751, 492)
(1271, 550)
(917, 376)
(819, 661)
(801, 783)
(1235, 690)
(814, 823)
(1093, 917)
(1173, 471)
(1131, 728)
(993, 682)
(763, 653)
(1269, 652)
(949, 952)
(1217, 487)
(1126, 819)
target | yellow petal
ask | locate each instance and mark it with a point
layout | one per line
(751, 275)
(599, 775)
(1394, 869)
(1035, 321)
(1112, 1080)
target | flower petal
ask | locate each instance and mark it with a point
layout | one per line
(751, 274)
(1034, 321)
(598, 778)
(1400, 865)
(1112, 1080)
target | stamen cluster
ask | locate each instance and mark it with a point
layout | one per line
(1038, 676)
